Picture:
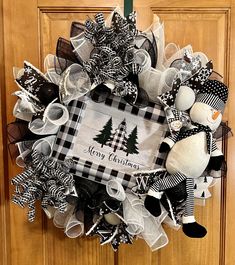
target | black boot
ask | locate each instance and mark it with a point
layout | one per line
(152, 204)
(194, 230)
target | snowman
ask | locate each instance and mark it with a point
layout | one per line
(191, 151)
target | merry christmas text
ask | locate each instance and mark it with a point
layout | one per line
(110, 157)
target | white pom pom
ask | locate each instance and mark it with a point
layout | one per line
(185, 98)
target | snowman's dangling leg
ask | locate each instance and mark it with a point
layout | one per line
(152, 203)
(190, 227)
(189, 208)
(168, 182)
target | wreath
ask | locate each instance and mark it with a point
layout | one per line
(118, 135)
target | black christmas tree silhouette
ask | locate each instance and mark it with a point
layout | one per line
(105, 133)
(131, 144)
(118, 138)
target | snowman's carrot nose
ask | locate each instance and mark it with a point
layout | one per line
(215, 115)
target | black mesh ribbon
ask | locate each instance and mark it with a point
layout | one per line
(18, 131)
(76, 28)
(64, 49)
(150, 46)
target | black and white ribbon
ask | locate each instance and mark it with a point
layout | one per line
(199, 128)
(45, 180)
(112, 58)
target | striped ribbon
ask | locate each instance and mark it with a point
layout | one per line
(113, 56)
(44, 179)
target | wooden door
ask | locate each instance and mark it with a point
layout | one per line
(30, 31)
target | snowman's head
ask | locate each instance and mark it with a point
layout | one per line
(206, 115)
(210, 103)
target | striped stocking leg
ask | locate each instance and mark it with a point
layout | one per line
(189, 208)
(152, 203)
(190, 227)
(166, 183)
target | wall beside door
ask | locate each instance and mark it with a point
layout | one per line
(29, 32)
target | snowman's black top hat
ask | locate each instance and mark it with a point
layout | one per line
(213, 93)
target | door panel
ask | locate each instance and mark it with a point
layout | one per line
(206, 26)
(30, 31)
(55, 23)
(33, 30)
(24, 241)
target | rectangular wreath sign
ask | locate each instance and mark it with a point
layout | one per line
(111, 139)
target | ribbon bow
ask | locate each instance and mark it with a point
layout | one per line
(194, 82)
(188, 65)
(112, 57)
(115, 234)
